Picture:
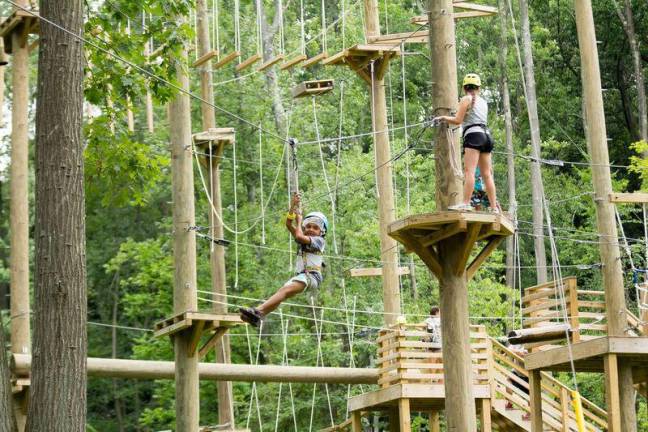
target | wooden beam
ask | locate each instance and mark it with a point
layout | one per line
(612, 392)
(629, 198)
(292, 62)
(248, 62)
(226, 59)
(485, 416)
(404, 419)
(474, 7)
(155, 370)
(535, 395)
(213, 340)
(205, 58)
(367, 272)
(444, 233)
(356, 421)
(485, 253)
(466, 248)
(315, 59)
(271, 62)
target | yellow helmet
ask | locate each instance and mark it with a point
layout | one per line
(472, 79)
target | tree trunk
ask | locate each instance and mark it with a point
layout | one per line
(7, 419)
(537, 188)
(508, 126)
(58, 392)
(628, 26)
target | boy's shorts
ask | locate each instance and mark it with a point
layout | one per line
(306, 278)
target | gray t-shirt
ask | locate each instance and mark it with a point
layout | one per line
(310, 257)
(477, 114)
(434, 328)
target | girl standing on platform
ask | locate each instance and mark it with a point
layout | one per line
(472, 115)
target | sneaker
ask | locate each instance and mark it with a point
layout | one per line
(509, 406)
(252, 316)
(526, 417)
(461, 207)
(494, 210)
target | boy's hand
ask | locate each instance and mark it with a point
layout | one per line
(296, 202)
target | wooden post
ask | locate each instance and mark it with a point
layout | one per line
(612, 397)
(605, 216)
(386, 210)
(217, 256)
(455, 328)
(404, 421)
(535, 400)
(356, 421)
(184, 247)
(565, 403)
(572, 293)
(485, 416)
(19, 202)
(435, 423)
(3, 63)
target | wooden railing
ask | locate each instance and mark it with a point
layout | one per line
(406, 356)
(510, 382)
(542, 305)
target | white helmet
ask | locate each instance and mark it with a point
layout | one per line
(317, 218)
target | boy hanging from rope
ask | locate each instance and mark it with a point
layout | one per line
(309, 235)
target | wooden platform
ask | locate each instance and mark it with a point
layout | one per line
(220, 429)
(360, 57)
(312, 88)
(199, 324)
(13, 21)
(213, 142)
(421, 234)
(465, 10)
(271, 62)
(423, 397)
(588, 355)
(20, 384)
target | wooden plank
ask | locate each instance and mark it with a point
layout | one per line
(368, 272)
(314, 87)
(535, 396)
(337, 58)
(444, 233)
(485, 416)
(226, 59)
(629, 198)
(560, 356)
(485, 253)
(213, 340)
(170, 330)
(470, 14)
(466, 248)
(248, 62)
(356, 421)
(271, 62)
(418, 36)
(292, 62)
(196, 333)
(205, 58)
(315, 59)
(474, 7)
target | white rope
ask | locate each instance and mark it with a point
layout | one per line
(373, 128)
(254, 395)
(645, 227)
(301, 24)
(263, 232)
(237, 27)
(319, 361)
(343, 24)
(324, 42)
(215, 29)
(258, 28)
(282, 37)
(236, 248)
(626, 246)
(284, 362)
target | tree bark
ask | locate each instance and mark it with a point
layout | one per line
(537, 188)
(508, 126)
(58, 383)
(7, 418)
(627, 20)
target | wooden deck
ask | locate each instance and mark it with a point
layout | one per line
(12, 23)
(589, 355)
(361, 57)
(312, 88)
(199, 324)
(421, 234)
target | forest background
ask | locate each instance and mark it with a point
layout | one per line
(128, 190)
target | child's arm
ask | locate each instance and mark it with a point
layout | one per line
(461, 112)
(292, 213)
(297, 232)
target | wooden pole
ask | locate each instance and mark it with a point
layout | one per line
(455, 328)
(386, 210)
(3, 69)
(155, 370)
(217, 256)
(605, 217)
(184, 247)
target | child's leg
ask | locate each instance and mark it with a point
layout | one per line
(486, 167)
(471, 157)
(290, 289)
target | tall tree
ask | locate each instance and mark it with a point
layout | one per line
(7, 419)
(628, 26)
(537, 188)
(508, 125)
(58, 396)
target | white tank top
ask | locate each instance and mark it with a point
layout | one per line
(477, 114)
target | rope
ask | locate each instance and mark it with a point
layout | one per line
(324, 42)
(237, 27)
(301, 24)
(236, 249)
(319, 361)
(254, 395)
(215, 28)
(263, 232)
